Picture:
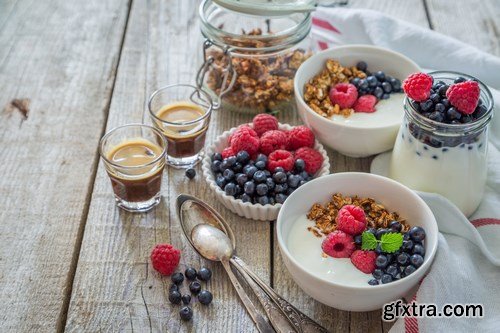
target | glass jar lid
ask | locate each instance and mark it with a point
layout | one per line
(268, 7)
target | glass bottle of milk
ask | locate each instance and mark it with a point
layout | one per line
(448, 159)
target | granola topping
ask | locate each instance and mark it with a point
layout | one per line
(377, 216)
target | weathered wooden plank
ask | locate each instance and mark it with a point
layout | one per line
(115, 288)
(337, 320)
(60, 56)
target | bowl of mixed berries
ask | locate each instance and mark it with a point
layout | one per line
(254, 167)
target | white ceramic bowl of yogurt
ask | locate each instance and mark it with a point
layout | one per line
(361, 134)
(336, 282)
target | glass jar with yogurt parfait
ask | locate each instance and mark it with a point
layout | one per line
(250, 57)
(448, 159)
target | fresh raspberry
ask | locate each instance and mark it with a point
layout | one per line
(264, 122)
(300, 136)
(418, 86)
(273, 140)
(241, 129)
(338, 244)
(351, 220)
(364, 260)
(312, 158)
(464, 96)
(280, 158)
(343, 94)
(245, 138)
(365, 103)
(227, 152)
(165, 258)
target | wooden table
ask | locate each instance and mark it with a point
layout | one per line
(69, 259)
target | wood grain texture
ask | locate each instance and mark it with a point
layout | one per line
(115, 288)
(332, 319)
(57, 59)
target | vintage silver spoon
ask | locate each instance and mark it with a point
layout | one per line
(285, 317)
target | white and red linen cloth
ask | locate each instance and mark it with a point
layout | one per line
(466, 268)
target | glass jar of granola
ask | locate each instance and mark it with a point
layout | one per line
(251, 60)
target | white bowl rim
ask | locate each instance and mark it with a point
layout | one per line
(428, 257)
(323, 171)
(299, 90)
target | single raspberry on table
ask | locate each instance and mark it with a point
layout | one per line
(338, 244)
(364, 260)
(280, 158)
(227, 152)
(165, 258)
(343, 94)
(273, 140)
(300, 136)
(418, 86)
(246, 139)
(464, 96)
(365, 103)
(311, 157)
(264, 122)
(351, 220)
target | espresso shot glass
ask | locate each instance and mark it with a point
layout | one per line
(134, 157)
(182, 113)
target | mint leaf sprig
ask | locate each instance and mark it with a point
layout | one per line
(389, 243)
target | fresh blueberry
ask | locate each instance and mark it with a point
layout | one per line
(246, 198)
(418, 249)
(381, 232)
(231, 160)
(439, 107)
(378, 92)
(446, 103)
(268, 173)
(378, 249)
(281, 188)
(377, 273)
(426, 105)
(407, 245)
(186, 313)
(396, 84)
(436, 116)
(174, 297)
(466, 119)
(459, 80)
(363, 84)
(177, 278)
(263, 200)
(261, 165)
(293, 181)
(223, 166)
(272, 201)
(406, 236)
(249, 187)
(299, 165)
(395, 226)
(242, 157)
(362, 66)
(381, 261)
(372, 81)
(372, 231)
(373, 282)
(280, 198)
(416, 260)
(262, 189)
(279, 177)
(270, 183)
(231, 189)
(417, 234)
(220, 181)
(204, 274)
(442, 90)
(241, 179)
(173, 287)
(249, 170)
(386, 278)
(393, 270)
(228, 174)
(453, 114)
(261, 157)
(186, 299)
(355, 81)
(387, 87)
(216, 166)
(190, 273)
(217, 157)
(480, 111)
(386, 96)
(259, 176)
(205, 297)
(238, 167)
(403, 258)
(409, 269)
(435, 98)
(357, 240)
(289, 191)
(380, 75)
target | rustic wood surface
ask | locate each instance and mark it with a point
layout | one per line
(69, 259)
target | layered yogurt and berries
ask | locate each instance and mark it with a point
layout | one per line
(354, 95)
(355, 241)
(264, 164)
(442, 144)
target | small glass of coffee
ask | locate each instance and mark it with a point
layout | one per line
(182, 113)
(134, 156)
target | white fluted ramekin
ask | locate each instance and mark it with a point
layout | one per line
(246, 209)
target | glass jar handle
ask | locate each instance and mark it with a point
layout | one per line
(228, 70)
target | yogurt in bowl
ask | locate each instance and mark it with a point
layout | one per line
(336, 282)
